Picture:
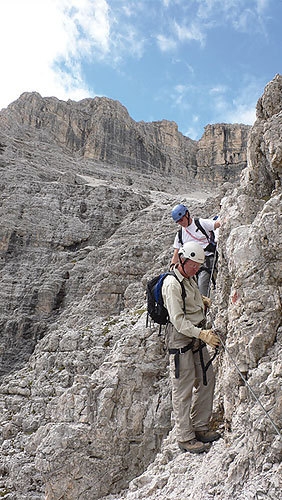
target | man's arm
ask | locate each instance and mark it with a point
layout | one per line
(174, 258)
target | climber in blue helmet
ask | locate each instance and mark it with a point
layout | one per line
(200, 231)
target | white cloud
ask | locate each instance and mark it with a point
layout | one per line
(180, 89)
(218, 103)
(242, 113)
(241, 109)
(262, 5)
(195, 19)
(245, 20)
(93, 25)
(191, 32)
(45, 41)
(219, 89)
(240, 15)
(194, 130)
(128, 41)
(165, 43)
(178, 96)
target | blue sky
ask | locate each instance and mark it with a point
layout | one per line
(194, 62)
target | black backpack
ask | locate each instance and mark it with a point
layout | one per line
(211, 247)
(156, 310)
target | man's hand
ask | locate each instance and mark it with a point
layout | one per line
(206, 301)
(210, 338)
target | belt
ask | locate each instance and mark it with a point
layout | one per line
(184, 349)
(177, 353)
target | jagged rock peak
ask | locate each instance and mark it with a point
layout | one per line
(270, 102)
(88, 104)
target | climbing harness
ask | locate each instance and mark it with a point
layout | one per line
(205, 367)
(182, 350)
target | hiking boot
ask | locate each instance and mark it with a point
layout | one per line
(207, 436)
(194, 446)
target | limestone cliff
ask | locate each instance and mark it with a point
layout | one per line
(101, 129)
(84, 394)
(224, 146)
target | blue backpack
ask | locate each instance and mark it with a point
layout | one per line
(156, 310)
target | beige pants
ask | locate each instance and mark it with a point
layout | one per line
(191, 400)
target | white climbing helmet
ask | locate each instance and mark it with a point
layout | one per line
(193, 251)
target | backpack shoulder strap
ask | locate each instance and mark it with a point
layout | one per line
(199, 226)
(180, 236)
(183, 292)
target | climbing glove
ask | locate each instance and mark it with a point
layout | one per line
(210, 338)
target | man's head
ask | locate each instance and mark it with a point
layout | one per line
(180, 215)
(191, 256)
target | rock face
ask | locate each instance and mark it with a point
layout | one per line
(85, 408)
(71, 174)
(101, 129)
(224, 146)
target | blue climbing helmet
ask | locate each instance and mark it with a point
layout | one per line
(178, 211)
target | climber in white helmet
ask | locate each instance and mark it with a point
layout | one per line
(191, 370)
